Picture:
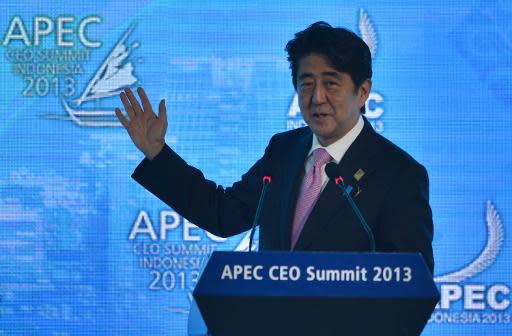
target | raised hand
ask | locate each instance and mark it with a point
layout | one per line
(146, 129)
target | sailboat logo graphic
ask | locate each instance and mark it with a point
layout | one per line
(110, 79)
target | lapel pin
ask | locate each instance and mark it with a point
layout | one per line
(357, 192)
(359, 174)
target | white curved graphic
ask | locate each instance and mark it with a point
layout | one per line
(495, 236)
(90, 118)
(115, 73)
(367, 32)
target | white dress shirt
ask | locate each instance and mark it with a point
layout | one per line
(336, 149)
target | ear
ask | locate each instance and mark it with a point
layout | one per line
(364, 91)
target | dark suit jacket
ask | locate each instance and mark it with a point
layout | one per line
(392, 195)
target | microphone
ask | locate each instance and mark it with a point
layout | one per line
(265, 181)
(331, 169)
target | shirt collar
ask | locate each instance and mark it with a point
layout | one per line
(338, 148)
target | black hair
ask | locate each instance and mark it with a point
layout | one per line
(346, 51)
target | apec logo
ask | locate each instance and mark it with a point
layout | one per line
(49, 52)
(481, 303)
(51, 57)
(63, 27)
(373, 105)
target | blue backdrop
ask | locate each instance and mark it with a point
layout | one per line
(84, 249)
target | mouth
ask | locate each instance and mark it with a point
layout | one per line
(320, 115)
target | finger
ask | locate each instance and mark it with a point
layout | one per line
(127, 106)
(122, 118)
(162, 112)
(145, 101)
(135, 104)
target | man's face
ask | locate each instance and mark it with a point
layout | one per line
(328, 99)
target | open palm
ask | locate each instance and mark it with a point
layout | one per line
(146, 129)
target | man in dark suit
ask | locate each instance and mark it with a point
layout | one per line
(303, 209)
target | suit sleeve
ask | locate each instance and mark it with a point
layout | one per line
(221, 211)
(407, 216)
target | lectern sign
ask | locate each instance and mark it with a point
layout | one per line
(338, 274)
(321, 292)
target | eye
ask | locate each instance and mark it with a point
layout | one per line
(305, 85)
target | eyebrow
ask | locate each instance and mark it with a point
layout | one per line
(332, 74)
(323, 74)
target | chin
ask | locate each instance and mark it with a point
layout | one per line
(324, 132)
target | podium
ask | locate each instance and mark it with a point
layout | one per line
(315, 293)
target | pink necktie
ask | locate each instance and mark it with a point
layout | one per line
(309, 193)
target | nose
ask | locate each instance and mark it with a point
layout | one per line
(318, 95)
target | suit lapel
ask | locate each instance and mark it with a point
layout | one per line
(331, 202)
(291, 185)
